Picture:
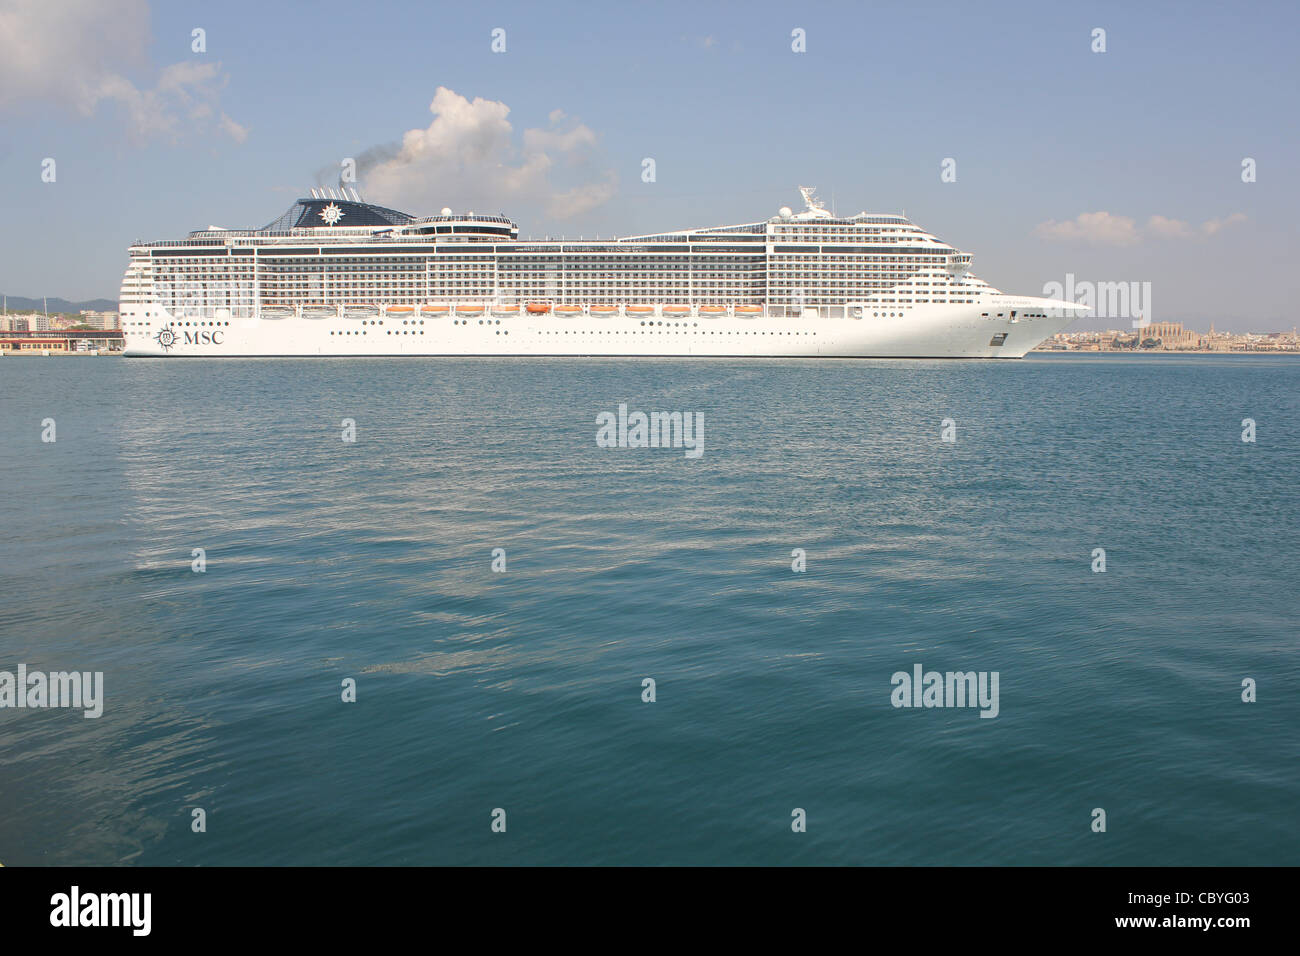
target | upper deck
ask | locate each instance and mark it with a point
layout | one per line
(335, 217)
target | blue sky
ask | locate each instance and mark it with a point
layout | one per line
(151, 139)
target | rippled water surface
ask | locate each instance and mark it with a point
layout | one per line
(522, 690)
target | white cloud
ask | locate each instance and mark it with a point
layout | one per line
(1177, 229)
(1211, 226)
(233, 130)
(77, 54)
(1169, 228)
(1104, 227)
(468, 156)
(1100, 227)
(581, 199)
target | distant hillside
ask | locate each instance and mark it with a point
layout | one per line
(18, 304)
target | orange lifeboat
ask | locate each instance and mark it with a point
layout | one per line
(640, 310)
(538, 308)
(604, 310)
(505, 310)
(713, 310)
(400, 309)
(677, 310)
(569, 310)
(749, 311)
(469, 310)
(435, 309)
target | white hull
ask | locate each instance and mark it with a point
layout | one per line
(949, 331)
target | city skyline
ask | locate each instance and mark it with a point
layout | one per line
(1123, 166)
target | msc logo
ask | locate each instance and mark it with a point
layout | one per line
(202, 338)
(167, 338)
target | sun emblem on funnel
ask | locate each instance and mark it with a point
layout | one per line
(331, 214)
(166, 338)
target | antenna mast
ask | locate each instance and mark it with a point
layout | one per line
(810, 199)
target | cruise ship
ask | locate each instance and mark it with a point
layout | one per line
(339, 276)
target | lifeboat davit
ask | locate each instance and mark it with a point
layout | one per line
(569, 310)
(538, 308)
